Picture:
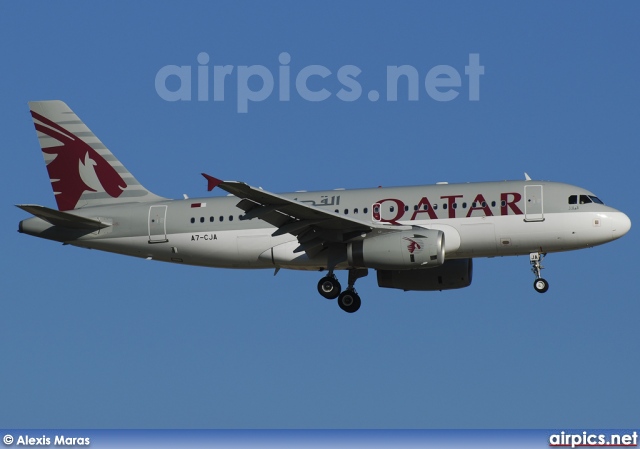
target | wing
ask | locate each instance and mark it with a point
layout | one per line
(314, 227)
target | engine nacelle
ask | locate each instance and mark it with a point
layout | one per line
(455, 273)
(398, 250)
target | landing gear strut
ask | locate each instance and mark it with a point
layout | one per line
(348, 300)
(540, 285)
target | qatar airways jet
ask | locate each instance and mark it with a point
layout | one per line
(416, 238)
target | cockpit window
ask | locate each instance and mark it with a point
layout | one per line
(595, 199)
(584, 199)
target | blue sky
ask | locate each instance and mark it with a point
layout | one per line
(93, 340)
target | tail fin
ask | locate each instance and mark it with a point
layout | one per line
(82, 170)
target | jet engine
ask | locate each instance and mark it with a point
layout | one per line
(398, 250)
(454, 273)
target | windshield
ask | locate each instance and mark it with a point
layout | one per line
(584, 199)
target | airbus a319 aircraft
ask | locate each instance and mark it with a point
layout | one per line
(416, 238)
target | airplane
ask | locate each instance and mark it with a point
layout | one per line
(420, 238)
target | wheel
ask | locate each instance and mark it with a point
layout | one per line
(329, 287)
(349, 301)
(541, 285)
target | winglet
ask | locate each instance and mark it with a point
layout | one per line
(213, 182)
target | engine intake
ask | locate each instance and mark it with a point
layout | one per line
(398, 250)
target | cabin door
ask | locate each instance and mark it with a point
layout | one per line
(158, 224)
(533, 209)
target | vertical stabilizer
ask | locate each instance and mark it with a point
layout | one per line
(83, 172)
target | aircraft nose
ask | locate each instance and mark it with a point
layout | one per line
(620, 224)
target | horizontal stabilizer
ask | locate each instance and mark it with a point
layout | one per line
(64, 219)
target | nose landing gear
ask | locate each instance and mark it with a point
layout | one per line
(540, 285)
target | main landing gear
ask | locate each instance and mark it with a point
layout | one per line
(348, 300)
(329, 287)
(540, 285)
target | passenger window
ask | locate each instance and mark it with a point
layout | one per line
(493, 204)
(346, 211)
(444, 206)
(464, 205)
(193, 220)
(391, 208)
(365, 210)
(201, 219)
(230, 217)
(211, 219)
(355, 211)
(221, 218)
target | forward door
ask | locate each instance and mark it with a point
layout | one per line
(533, 207)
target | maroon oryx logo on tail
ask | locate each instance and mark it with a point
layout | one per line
(76, 167)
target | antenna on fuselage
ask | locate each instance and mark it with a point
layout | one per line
(527, 177)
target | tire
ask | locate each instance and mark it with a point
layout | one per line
(329, 287)
(349, 301)
(540, 285)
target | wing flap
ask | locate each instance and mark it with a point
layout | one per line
(294, 226)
